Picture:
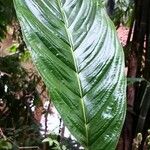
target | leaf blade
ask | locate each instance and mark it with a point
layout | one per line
(81, 62)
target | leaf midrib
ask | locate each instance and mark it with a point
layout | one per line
(76, 69)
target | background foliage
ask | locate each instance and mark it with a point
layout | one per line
(7, 16)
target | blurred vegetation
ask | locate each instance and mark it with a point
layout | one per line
(19, 95)
(7, 16)
(123, 12)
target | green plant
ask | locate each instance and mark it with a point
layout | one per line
(54, 144)
(120, 11)
(76, 50)
(4, 142)
(5, 145)
(123, 12)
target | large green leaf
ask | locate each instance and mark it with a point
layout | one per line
(76, 50)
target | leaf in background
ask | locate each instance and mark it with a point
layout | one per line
(123, 12)
(76, 50)
(13, 48)
(49, 140)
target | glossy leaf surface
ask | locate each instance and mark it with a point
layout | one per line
(76, 50)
